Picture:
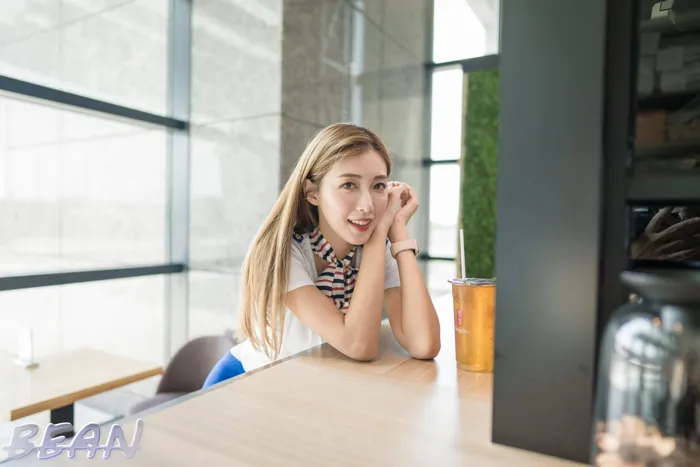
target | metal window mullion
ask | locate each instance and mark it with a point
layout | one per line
(178, 173)
(469, 65)
(431, 162)
(33, 91)
(75, 277)
(424, 195)
(429, 257)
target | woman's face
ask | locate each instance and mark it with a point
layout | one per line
(352, 198)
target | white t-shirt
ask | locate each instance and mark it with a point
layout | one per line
(298, 337)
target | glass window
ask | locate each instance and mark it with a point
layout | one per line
(438, 275)
(78, 191)
(444, 210)
(465, 29)
(109, 50)
(446, 114)
(213, 302)
(124, 317)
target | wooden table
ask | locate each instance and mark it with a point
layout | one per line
(62, 379)
(321, 409)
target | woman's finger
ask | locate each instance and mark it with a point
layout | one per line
(410, 195)
(674, 246)
(689, 254)
(394, 198)
(679, 231)
(656, 222)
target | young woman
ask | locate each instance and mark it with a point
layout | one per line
(331, 255)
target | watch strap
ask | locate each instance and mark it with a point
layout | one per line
(410, 244)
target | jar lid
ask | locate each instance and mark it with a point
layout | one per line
(671, 286)
(472, 281)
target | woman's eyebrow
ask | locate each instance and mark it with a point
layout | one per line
(349, 175)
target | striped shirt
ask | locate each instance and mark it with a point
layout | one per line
(302, 272)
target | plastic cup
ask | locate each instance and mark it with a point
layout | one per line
(474, 303)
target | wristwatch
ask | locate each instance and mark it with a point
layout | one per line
(398, 247)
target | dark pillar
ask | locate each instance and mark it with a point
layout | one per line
(554, 243)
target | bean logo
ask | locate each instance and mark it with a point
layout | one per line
(87, 439)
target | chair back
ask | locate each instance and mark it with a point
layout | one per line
(191, 364)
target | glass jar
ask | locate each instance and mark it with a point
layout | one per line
(648, 394)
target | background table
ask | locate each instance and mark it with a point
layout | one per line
(64, 378)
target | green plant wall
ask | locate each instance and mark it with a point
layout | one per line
(479, 165)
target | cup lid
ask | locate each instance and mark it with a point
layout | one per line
(472, 281)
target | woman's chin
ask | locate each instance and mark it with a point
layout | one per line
(358, 238)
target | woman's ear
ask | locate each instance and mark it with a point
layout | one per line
(310, 193)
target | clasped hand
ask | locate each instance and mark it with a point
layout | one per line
(402, 203)
(673, 234)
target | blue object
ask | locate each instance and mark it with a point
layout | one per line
(226, 368)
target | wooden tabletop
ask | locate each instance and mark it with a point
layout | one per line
(65, 378)
(321, 409)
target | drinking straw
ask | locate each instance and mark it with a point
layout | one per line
(461, 248)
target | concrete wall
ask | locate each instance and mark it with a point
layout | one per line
(268, 75)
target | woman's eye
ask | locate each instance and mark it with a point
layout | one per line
(380, 186)
(347, 185)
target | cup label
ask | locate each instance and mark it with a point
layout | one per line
(459, 319)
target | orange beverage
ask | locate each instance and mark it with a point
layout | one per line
(474, 303)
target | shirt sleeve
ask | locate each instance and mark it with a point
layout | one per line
(298, 273)
(392, 278)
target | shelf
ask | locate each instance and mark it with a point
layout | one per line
(668, 150)
(652, 265)
(666, 101)
(676, 187)
(687, 23)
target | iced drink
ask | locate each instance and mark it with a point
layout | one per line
(474, 309)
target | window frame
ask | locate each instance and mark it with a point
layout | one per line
(177, 125)
(468, 65)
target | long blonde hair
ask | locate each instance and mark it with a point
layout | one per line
(266, 266)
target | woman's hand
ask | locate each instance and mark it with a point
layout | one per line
(402, 203)
(393, 206)
(408, 205)
(671, 235)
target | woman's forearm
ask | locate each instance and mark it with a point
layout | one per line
(419, 322)
(364, 317)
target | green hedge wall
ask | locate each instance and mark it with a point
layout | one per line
(479, 164)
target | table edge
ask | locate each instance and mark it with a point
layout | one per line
(129, 418)
(76, 396)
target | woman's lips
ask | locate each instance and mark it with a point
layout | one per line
(361, 225)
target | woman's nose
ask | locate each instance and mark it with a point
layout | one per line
(365, 204)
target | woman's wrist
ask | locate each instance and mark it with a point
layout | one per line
(381, 232)
(398, 233)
